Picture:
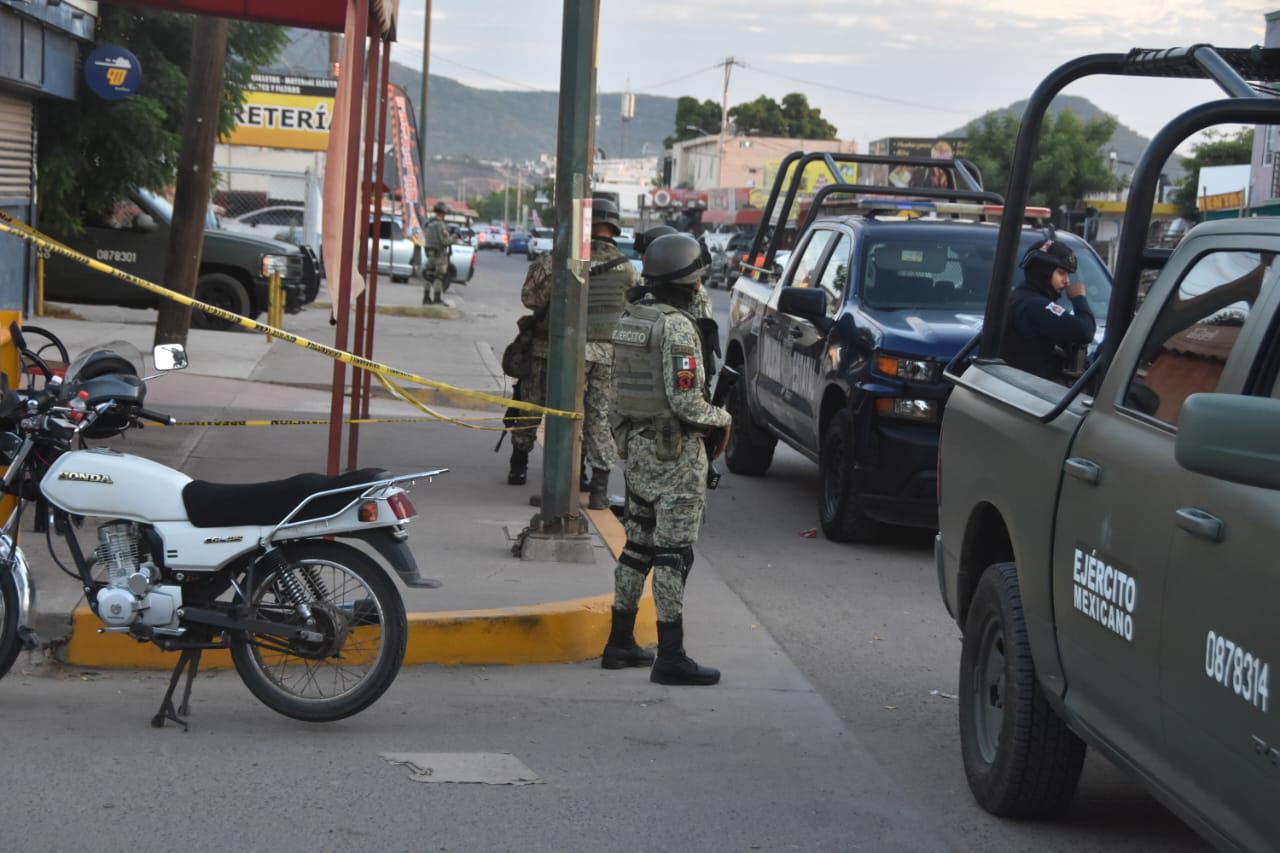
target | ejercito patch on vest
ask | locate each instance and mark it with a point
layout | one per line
(630, 336)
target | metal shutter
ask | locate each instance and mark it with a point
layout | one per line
(16, 165)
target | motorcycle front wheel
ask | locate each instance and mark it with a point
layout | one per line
(10, 642)
(355, 639)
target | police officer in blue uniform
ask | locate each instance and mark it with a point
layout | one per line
(1042, 332)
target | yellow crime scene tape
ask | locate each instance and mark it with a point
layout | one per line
(385, 373)
(277, 422)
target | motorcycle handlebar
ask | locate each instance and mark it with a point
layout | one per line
(165, 420)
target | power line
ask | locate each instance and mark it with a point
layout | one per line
(473, 69)
(678, 79)
(860, 94)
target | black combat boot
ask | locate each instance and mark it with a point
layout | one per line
(673, 665)
(599, 498)
(519, 472)
(621, 650)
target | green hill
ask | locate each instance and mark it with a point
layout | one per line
(488, 124)
(1126, 142)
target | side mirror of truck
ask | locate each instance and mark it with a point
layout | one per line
(807, 303)
(144, 223)
(1231, 438)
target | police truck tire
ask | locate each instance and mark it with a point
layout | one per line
(750, 449)
(1020, 758)
(224, 291)
(841, 517)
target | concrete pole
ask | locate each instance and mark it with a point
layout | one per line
(422, 102)
(520, 196)
(568, 316)
(724, 120)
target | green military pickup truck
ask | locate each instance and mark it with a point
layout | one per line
(235, 268)
(1108, 549)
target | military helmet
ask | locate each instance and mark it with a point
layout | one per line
(674, 259)
(441, 207)
(605, 212)
(1052, 252)
(644, 238)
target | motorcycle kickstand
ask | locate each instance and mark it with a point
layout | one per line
(189, 660)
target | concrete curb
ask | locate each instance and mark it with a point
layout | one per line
(558, 632)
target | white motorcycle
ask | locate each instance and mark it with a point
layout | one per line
(315, 626)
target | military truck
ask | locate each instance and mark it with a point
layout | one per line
(839, 353)
(1107, 544)
(133, 236)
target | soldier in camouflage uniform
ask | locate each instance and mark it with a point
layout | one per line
(663, 416)
(535, 294)
(610, 279)
(437, 239)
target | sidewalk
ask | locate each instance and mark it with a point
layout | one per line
(492, 607)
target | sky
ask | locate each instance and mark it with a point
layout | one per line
(931, 65)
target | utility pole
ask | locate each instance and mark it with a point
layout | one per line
(520, 196)
(422, 102)
(559, 530)
(195, 173)
(506, 196)
(728, 64)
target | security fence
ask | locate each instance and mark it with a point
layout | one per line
(276, 204)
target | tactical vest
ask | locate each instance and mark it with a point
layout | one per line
(639, 390)
(607, 296)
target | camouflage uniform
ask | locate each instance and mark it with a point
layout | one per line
(535, 294)
(597, 432)
(436, 239)
(701, 307)
(666, 468)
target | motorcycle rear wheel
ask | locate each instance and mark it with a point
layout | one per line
(357, 608)
(10, 642)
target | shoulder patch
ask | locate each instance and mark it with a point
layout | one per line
(1055, 308)
(684, 368)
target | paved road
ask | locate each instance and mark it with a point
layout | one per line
(825, 735)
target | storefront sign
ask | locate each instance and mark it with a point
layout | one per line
(1222, 201)
(281, 111)
(112, 73)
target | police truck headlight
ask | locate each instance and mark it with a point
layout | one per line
(910, 369)
(902, 408)
(274, 264)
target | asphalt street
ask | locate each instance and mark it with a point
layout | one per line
(835, 728)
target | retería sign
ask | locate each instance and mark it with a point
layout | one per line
(283, 111)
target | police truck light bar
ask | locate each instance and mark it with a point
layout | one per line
(949, 208)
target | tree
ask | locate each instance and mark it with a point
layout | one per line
(1217, 148)
(92, 150)
(1069, 164)
(693, 119)
(764, 116)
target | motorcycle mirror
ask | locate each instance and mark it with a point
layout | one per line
(169, 357)
(15, 334)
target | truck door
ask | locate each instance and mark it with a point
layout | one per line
(125, 237)
(806, 344)
(388, 237)
(1220, 643)
(1115, 524)
(774, 378)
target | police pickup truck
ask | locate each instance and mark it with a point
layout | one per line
(841, 356)
(1109, 549)
(133, 236)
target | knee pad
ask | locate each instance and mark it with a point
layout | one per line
(636, 557)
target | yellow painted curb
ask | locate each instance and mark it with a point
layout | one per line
(558, 632)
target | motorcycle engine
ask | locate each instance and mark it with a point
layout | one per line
(131, 594)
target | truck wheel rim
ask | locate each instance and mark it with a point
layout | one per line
(989, 690)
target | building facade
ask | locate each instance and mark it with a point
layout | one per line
(749, 161)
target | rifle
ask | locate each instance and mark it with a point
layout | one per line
(725, 381)
(510, 418)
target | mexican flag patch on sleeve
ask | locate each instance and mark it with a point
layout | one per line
(685, 368)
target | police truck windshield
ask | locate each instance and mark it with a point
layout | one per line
(952, 271)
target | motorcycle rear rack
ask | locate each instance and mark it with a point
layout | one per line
(368, 491)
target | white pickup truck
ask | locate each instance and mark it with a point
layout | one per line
(399, 255)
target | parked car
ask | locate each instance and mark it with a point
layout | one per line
(397, 254)
(268, 221)
(491, 237)
(518, 243)
(540, 241)
(133, 236)
(725, 262)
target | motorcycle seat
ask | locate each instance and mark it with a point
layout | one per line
(241, 504)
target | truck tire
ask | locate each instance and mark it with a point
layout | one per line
(750, 450)
(1020, 758)
(224, 291)
(841, 518)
